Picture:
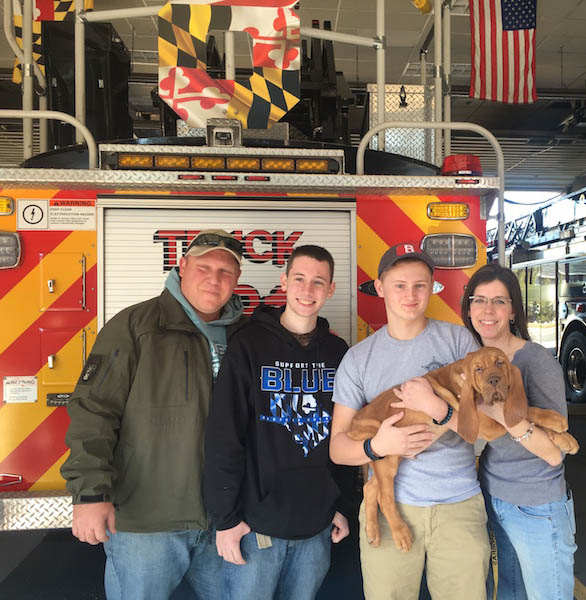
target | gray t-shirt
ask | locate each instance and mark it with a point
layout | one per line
(445, 472)
(507, 469)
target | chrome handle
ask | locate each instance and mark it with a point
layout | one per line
(51, 285)
(51, 361)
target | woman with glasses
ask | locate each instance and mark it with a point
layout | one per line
(521, 473)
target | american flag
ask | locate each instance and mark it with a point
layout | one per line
(503, 50)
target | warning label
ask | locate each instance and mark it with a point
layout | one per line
(20, 389)
(72, 214)
(57, 213)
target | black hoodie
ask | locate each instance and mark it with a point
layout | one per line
(267, 436)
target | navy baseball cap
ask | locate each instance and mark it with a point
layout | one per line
(401, 251)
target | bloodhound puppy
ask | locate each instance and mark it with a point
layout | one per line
(489, 377)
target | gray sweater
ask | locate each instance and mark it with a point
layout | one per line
(507, 470)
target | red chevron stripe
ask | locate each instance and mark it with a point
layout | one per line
(18, 359)
(32, 243)
(39, 451)
(455, 282)
(388, 220)
(370, 308)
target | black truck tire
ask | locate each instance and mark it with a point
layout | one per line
(573, 360)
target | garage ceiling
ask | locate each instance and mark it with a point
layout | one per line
(560, 64)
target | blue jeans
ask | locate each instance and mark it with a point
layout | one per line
(288, 570)
(535, 548)
(149, 566)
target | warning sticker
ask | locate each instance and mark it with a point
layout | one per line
(65, 214)
(72, 214)
(20, 389)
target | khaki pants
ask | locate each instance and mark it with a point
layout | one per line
(449, 540)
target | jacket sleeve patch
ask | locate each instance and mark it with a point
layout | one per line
(92, 366)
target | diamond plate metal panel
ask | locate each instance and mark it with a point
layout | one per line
(417, 105)
(278, 183)
(34, 510)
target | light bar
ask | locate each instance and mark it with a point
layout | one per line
(243, 164)
(6, 205)
(211, 163)
(448, 210)
(278, 164)
(9, 249)
(172, 161)
(135, 161)
(312, 165)
(451, 250)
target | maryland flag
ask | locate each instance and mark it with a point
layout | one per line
(43, 10)
(272, 90)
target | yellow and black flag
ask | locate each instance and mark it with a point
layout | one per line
(272, 90)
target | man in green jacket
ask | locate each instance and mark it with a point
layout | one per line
(138, 414)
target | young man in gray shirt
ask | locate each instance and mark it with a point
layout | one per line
(438, 493)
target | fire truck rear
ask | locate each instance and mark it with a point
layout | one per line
(78, 245)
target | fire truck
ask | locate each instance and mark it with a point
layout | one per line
(547, 251)
(77, 245)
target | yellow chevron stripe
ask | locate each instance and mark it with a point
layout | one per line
(51, 479)
(20, 420)
(368, 253)
(199, 22)
(364, 329)
(24, 313)
(440, 309)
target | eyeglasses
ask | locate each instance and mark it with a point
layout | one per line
(497, 302)
(214, 239)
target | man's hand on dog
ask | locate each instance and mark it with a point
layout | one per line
(228, 543)
(403, 441)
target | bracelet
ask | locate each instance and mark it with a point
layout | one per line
(526, 435)
(369, 451)
(446, 418)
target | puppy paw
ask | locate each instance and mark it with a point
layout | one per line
(549, 419)
(402, 537)
(373, 535)
(565, 441)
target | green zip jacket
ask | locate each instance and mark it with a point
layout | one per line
(138, 414)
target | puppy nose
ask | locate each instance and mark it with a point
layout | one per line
(494, 379)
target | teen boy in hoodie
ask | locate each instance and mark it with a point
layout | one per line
(267, 480)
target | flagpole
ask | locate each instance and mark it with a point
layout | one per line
(447, 61)
(79, 36)
(27, 78)
(438, 94)
(380, 69)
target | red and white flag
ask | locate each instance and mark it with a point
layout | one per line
(503, 50)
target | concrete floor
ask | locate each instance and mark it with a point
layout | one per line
(53, 565)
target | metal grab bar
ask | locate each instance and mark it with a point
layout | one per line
(59, 116)
(457, 126)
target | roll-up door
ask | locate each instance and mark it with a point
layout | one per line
(141, 246)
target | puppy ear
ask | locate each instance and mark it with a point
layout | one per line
(516, 403)
(467, 415)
